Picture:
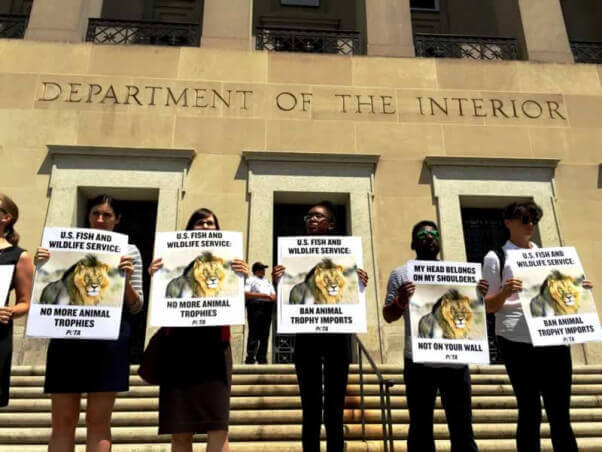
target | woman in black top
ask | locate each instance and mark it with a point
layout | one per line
(99, 368)
(322, 357)
(196, 365)
(11, 254)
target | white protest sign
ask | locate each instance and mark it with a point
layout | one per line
(78, 292)
(447, 313)
(558, 309)
(197, 286)
(320, 291)
(6, 277)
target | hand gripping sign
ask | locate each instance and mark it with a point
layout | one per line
(320, 291)
(78, 292)
(558, 309)
(447, 313)
(197, 286)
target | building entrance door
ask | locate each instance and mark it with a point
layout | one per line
(288, 221)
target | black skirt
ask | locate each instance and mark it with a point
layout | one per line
(6, 353)
(78, 366)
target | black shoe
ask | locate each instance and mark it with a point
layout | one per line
(249, 360)
(262, 361)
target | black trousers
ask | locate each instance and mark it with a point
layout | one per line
(322, 366)
(540, 370)
(259, 315)
(421, 384)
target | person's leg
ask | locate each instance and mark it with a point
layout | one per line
(454, 386)
(519, 359)
(217, 441)
(181, 442)
(336, 371)
(253, 314)
(265, 320)
(308, 366)
(98, 421)
(556, 369)
(65, 414)
(421, 392)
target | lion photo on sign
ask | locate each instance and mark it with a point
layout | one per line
(559, 295)
(83, 284)
(203, 277)
(450, 317)
(325, 284)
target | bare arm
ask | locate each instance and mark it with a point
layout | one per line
(394, 311)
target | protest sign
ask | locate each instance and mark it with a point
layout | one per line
(6, 277)
(320, 291)
(197, 286)
(78, 292)
(447, 313)
(557, 308)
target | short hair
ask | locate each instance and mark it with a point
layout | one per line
(422, 224)
(103, 199)
(519, 208)
(199, 214)
(329, 207)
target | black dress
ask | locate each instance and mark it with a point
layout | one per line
(8, 256)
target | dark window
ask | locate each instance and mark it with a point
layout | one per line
(300, 2)
(430, 5)
(484, 230)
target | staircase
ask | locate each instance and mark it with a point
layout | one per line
(266, 416)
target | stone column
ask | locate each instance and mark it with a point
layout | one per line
(545, 31)
(389, 28)
(227, 27)
(61, 20)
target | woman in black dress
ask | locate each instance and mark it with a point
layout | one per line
(322, 358)
(22, 276)
(196, 364)
(99, 368)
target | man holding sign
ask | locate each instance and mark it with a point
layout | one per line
(421, 379)
(533, 371)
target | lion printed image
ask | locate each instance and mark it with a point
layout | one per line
(203, 277)
(84, 283)
(325, 283)
(450, 318)
(559, 295)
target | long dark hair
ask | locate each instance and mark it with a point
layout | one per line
(199, 215)
(9, 206)
(99, 201)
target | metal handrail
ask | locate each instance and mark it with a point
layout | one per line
(384, 390)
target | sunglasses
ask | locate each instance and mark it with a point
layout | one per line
(526, 219)
(317, 216)
(422, 234)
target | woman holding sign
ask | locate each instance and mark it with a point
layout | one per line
(19, 277)
(99, 368)
(196, 377)
(322, 357)
(532, 370)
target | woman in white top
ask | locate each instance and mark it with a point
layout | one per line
(533, 371)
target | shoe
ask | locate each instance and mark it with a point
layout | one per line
(249, 360)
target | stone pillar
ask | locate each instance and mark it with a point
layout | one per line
(545, 31)
(227, 27)
(389, 28)
(61, 20)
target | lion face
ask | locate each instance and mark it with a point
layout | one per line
(563, 295)
(208, 276)
(329, 284)
(457, 315)
(91, 282)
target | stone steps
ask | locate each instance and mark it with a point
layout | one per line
(266, 415)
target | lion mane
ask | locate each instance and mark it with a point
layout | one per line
(450, 318)
(83, 284)
(203, 277)
(559, 295)
(326, 283)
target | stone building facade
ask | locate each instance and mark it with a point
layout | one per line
(257, 135)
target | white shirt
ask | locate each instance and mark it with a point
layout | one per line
(510, 322)
(259, 285)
